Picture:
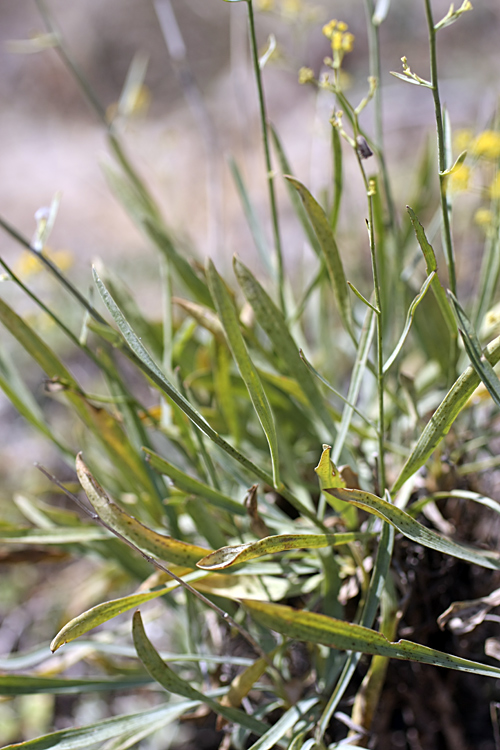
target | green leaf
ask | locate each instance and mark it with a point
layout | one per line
(158, 545)
(456, 166)
(294, 198)
(193, 486)
(312, 627)
(33, 685)
(58, 536)
(475, 352)
(229, 320)
(270, 545)
(185, 271)
(271, 319)
(103, 613)
(441, 421)
(71, 739)
(324, 233)
(328, 474)
(409, 319)
(284, 724)
(143, 360)
(415, 530)
(252, 219)
(431, 266)
(357, 375)
(175, 684)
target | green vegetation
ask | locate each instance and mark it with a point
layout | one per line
(257, 475)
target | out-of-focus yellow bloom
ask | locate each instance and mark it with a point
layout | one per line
(459, 181)
(306, 75)
(483, 217)
(292, 8)
(28, 264)
(495, 187)
(487, 145)
(329, 28)
(265, 5)
(462, 139)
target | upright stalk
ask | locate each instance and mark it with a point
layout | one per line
(375, 72)
(267, 153)
(380, 352)
(447, 241)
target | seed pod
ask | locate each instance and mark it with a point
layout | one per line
(362, 147)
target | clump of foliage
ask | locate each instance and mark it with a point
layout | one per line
(263, 502)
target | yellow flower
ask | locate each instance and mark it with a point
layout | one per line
(348, 42)
(265, 5)
(483, 217)
(306, 75)
(459, 181)
(329, 28)
(462, 139)
(487, 144)
(495, 187)
(341, 40)
(29, 264)
(292, 8)
(336, 38)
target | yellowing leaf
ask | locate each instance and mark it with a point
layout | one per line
(158, 545)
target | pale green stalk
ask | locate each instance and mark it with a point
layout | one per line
(267, 153)
(447, 240)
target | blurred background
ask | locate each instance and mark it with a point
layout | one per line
(199, 108)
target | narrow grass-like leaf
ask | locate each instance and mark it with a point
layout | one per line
(12, 385)
(431, 265)
(58, 535)
(193, 486)
(185, 271)
(271, 319)
(248, 371)
(24, 684)
(441, 421)
(409, 319)
(357, 375)
(333, 390)
(144, 361)
(104, 612)
(158, 545)
(415, 530)
(294, 198)
(270, 545)
(316, 628)
(284, 724)
(475, 352)
(337, 177)
(103, 425)
(252, 218)
(101, 731)
(175, 684)
(329, 248)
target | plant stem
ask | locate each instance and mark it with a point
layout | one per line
(447, 241)
(370, 186)
(267, 153)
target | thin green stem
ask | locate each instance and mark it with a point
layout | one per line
(370, 186)
(267, 152)
(447, 240)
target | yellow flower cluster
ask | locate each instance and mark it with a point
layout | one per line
(306, 75)
(28, 263)
(341, 39)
